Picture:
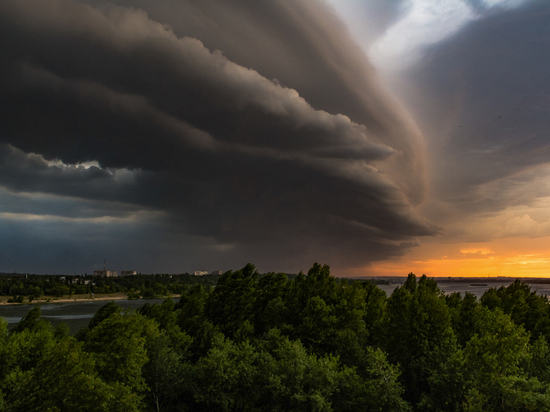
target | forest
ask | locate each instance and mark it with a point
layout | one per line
(273, 343)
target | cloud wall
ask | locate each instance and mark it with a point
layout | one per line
(268, 138)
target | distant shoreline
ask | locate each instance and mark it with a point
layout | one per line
(49, 299)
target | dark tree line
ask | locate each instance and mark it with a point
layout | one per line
(31, 287)
(270, 343)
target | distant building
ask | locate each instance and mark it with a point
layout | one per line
(106, 273)
(128, 273)
(201, 272)
(217, 272)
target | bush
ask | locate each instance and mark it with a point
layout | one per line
(16, 299)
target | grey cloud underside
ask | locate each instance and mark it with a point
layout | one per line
(304, 46)
(323, 170)
(486, 109)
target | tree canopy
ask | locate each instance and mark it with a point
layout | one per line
(272, 343)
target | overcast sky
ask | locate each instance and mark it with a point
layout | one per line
(178, 135)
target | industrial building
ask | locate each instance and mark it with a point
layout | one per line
(106, 273)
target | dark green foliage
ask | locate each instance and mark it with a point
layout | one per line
(525, 307)
(421, 340)
(463, 315)
(30, 322)
(279, 343)
(104, 312)
(164, 372)
(164, 313)
(107, 310)
(118, 348)
(280, 375)
(497, 360)
(232, 301)
(158, 285)
(64, 379)
(375, 313)
(166, 318)
(270, 308)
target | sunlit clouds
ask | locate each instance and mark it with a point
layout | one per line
(424, 23)
(395, 33)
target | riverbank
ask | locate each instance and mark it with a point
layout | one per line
(71, 299)
(76, 315)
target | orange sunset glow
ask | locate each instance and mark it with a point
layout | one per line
(523, 257)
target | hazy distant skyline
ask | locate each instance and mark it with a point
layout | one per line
(378, 137)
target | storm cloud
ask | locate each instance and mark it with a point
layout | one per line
(250, 131)
(482, 99)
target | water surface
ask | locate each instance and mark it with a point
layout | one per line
(476, 287)
(75, 314)
(78, 314)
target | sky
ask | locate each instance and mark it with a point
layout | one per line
(379, 137)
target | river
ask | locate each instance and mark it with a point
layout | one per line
(78, 314)
(75, 314)
(479, 290)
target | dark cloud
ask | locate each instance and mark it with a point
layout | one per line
(304, 46)
(482, 96)
(322, 167)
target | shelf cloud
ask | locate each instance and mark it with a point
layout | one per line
(259, 127)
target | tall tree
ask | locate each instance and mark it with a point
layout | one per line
(231, 305)
(421, 340)
(496, 360)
